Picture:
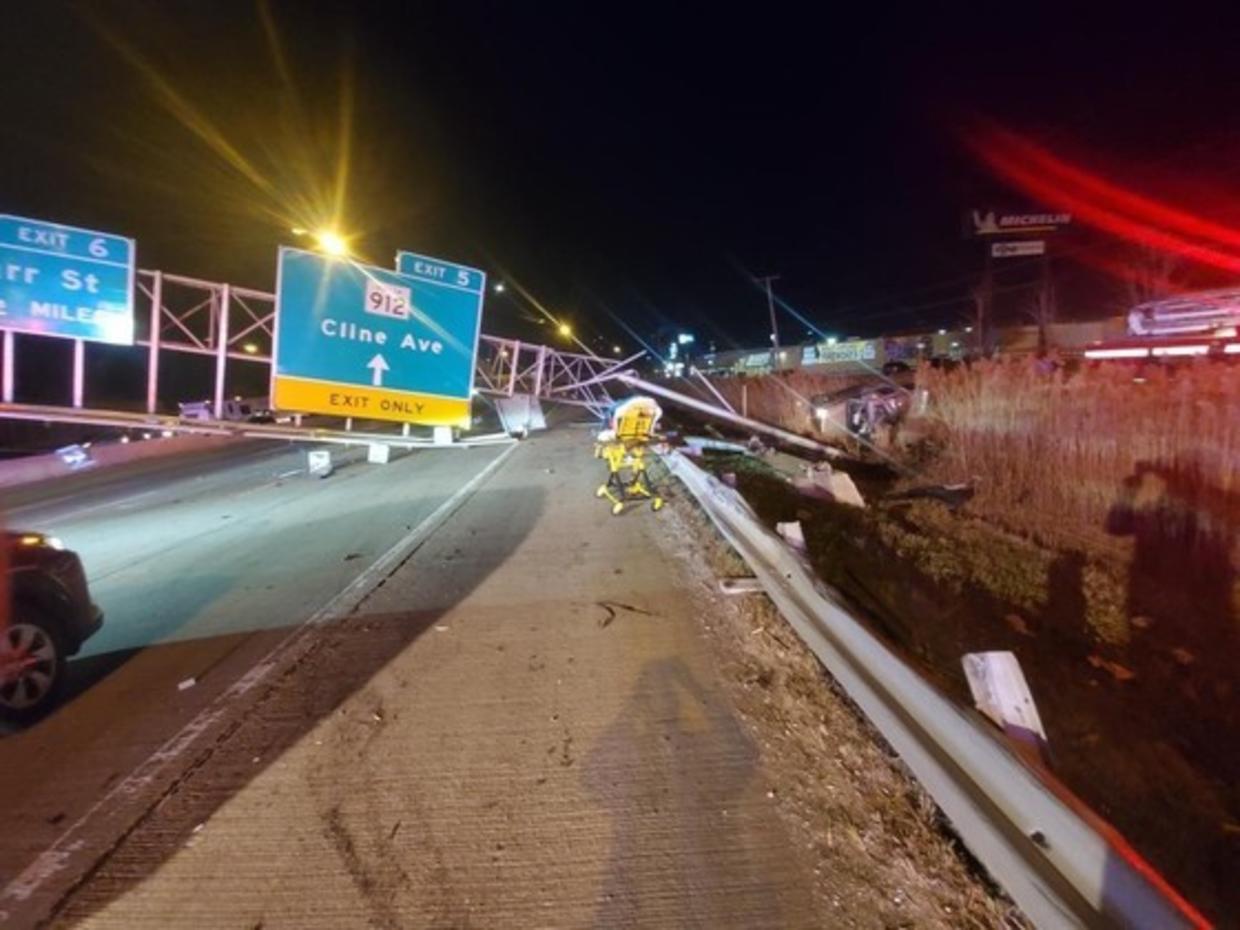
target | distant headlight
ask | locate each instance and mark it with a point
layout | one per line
(38, 539)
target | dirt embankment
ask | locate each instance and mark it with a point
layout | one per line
(1135, 680)
(881, 853)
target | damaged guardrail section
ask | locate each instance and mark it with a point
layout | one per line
(1059, 869)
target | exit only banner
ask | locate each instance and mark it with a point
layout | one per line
(372, 403)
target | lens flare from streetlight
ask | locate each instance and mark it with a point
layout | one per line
(299, 173)
(331, 242)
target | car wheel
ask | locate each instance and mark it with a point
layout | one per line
(32, 666)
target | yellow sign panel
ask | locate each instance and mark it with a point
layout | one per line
(373, 403)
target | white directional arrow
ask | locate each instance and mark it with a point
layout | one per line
(377, 365)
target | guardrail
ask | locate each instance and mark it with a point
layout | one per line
(1063, 867)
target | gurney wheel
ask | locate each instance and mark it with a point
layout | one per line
(656, 504)
(616, 508)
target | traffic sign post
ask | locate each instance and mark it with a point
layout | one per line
(359, 341)
(58, 280)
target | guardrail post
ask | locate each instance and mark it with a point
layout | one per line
(221, 350)
(152, 357)
(7, 389)
(79, 372)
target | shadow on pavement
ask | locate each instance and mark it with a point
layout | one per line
(341, 658)
(672, 770)
(219, 593)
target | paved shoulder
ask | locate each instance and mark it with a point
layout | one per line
(522, 728)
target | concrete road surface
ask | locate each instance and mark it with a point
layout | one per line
(202, 565)
(523, 727)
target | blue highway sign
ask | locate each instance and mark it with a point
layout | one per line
(446, 274)
(361, 341)
(63, 281)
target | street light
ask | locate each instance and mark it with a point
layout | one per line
(616, 349)
(499, 287)
(250, 348)
(565, 330)
(327, 241)
(331, 242)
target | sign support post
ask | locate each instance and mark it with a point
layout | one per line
(516, 362)
(152, 364)
(538, 376)
(8, 366)
(79, 372)
(221, 350)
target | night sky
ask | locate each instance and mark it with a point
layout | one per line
(622, 162)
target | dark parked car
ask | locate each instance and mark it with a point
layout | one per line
(50, 615)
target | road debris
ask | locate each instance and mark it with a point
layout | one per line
(1019, 624)
(319, 463)
(1001, 693)
(701, 444)
(792, 534)
(1116, 671)
(954, 496)
(823, 482)
(745, 585)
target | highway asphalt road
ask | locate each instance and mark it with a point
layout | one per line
(202, 565)
(523, 727)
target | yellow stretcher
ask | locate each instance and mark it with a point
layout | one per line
(624, 446)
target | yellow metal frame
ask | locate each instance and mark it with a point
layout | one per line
(626, 451)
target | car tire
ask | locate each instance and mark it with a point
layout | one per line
(34, 638)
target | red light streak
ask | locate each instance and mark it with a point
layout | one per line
(1057, 183)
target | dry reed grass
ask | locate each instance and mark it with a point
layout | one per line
(1054, 455)
(1058, 455)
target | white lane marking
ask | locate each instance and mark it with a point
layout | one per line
(50, 515)
(56, 857)
(243, 459)
(288, 474)
(72, 515)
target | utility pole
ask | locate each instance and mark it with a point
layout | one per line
(1046, 305)
(983, 297)
(770, 304)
